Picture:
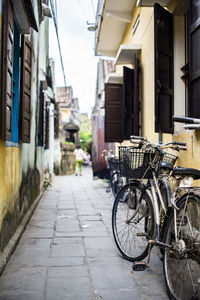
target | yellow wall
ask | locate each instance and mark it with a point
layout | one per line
(9, 178)
(9, 169)
(144, 36)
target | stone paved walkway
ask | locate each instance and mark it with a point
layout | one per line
(67, 250)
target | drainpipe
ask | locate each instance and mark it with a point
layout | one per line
(160, 138)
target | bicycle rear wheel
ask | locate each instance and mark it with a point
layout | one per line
(182, 261)
(132, 222)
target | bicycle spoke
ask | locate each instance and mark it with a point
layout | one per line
(128, 221)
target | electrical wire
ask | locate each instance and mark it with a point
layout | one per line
(86, 15)
(56, 28)
(56, 9)
(93, 8)
(83, 10)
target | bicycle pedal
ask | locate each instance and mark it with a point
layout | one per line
(141, 234)
(139, 266)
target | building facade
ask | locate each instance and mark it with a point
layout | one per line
(27, 110)
(105, 70)
(69, 115)
(154, 45)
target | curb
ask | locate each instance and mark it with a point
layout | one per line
(12, 244)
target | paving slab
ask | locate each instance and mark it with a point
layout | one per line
(118, 294)
(67, 250)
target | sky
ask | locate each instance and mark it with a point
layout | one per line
(77, 47)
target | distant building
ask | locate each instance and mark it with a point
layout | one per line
(105, 67)
(69, 115)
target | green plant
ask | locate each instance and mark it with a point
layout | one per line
(86, 134)
(47, 182)
(68, 143)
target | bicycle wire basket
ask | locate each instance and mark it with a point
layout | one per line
(135, 162)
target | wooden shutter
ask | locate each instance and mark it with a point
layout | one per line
(7, 71)
(114, 120)
(164, 103)
(41, 126)
(194, 59)
(128, 95)
(47, 119)
(25, 103)
(136, 94)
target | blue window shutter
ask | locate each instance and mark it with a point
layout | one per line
(16, 85)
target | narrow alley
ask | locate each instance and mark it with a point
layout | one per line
(67, 250)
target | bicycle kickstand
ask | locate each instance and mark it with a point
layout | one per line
(151, 244)
(141, 265)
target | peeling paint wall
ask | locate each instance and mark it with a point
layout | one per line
(22, 166)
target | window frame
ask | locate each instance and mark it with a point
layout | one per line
(128, 109)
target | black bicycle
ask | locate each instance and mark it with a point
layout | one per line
(138, 224)
(116, 180)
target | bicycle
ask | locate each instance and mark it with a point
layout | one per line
(137, 207)
(133, 162)
(116, 181)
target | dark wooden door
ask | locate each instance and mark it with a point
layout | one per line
(194, 59)
(164, 96)
(114, 119)
(128, 95)
(136, 93)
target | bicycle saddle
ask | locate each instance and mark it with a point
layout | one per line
(187, 172)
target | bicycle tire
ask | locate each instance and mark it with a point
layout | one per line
(131, 245)
(115, 182)
(182, 268)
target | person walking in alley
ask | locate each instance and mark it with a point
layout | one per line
(79, 157)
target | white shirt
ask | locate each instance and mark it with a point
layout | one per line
(79, 154)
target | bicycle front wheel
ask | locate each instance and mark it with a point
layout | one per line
(182, 260)
(132, 222)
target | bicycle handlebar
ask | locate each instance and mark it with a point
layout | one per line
(183, 148)
(186, 120)
(143, 141)
(178, 143)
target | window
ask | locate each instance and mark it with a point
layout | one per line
(15, 101)
(43, 128)
(7, 72)
(114, 125)
(25, 93)
(164, 93)
(47, 113)
(16, 85)
(190, 69)
(122, 106)
(194, 59)
(41, 131)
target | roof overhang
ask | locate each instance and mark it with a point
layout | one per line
(149, 3)
(71, 127)
(181, 7)
(113, 19)
(25, 16)
(114, 78)
(126, 53)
